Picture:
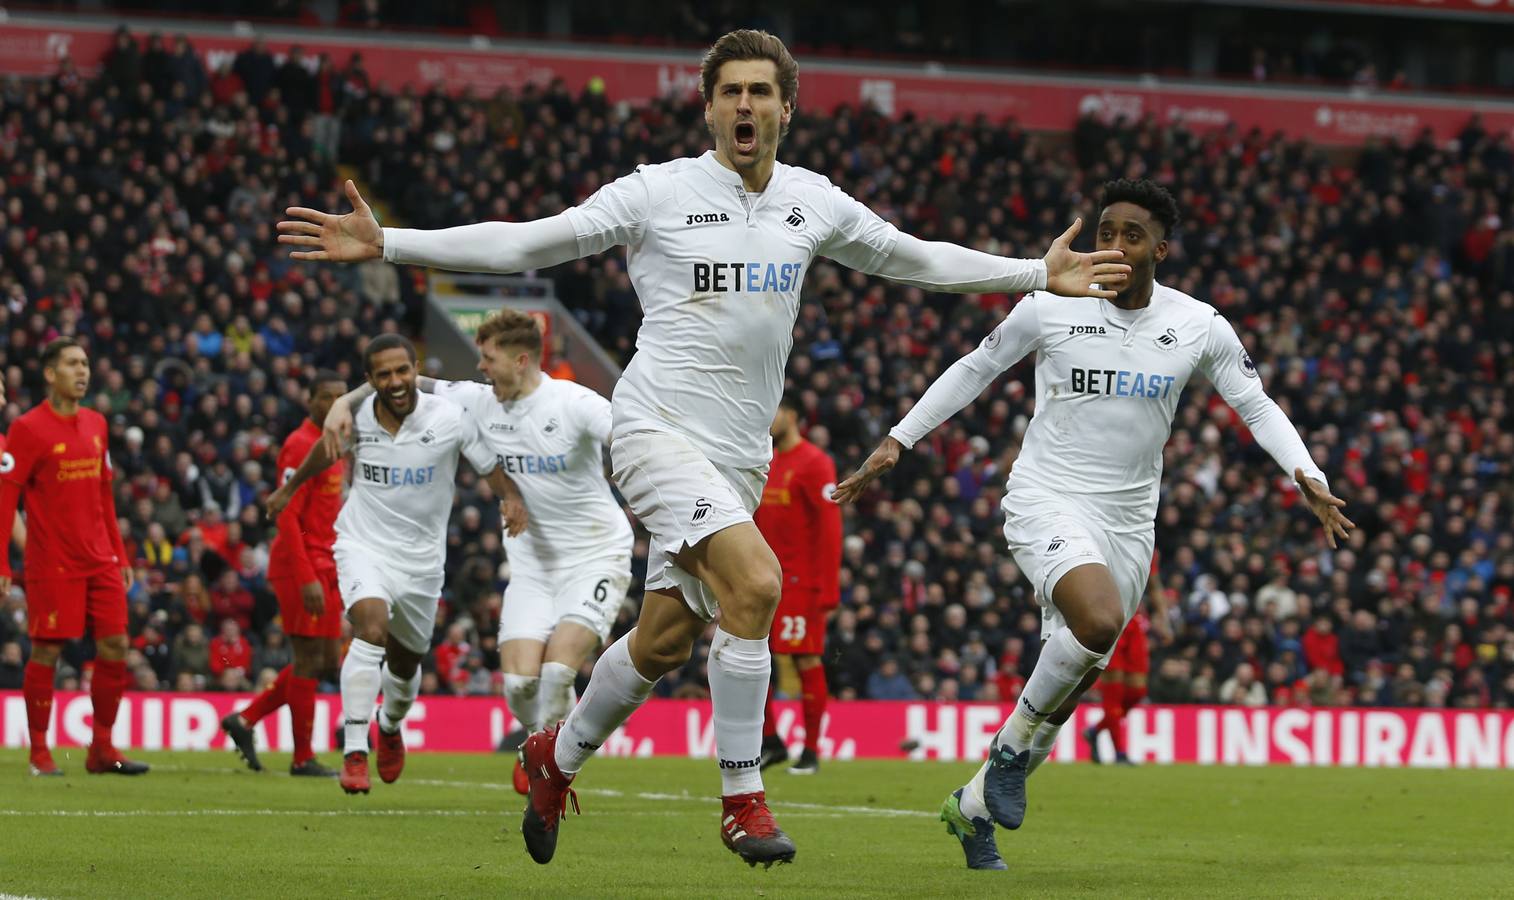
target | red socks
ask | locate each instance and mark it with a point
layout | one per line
(269, 701)
(37, 688)
(813, 697)
(812, 681)
(300, 693)
(105, 690)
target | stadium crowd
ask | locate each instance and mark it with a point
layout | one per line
(1376, 296)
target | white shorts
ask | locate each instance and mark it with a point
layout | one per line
(681, 497)
(1051, 534)
(412, 599)
(536, 600)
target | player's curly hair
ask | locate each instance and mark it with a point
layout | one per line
(1146, 194)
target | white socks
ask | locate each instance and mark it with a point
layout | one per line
(556, 692)
(399, 694)
(521, 697)
(615, 690)
(739, 673)
(1042, 744)
(1057, 674)
(1063, 664)
(360, 690)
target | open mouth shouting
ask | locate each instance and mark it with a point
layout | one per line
(746, 138)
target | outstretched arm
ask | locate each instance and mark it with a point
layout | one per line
(942, 266)
(861, 239)
(615, 214)
(1229, 367)
(1007, 344)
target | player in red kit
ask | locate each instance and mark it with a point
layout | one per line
(302, 572)
(1123, 684)
(57, 467)
(802, 524)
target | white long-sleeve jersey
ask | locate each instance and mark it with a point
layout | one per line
(1107, 385)
(551, 442)
(718, 271)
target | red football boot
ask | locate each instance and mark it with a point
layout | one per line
(107, 760)
(548, 794)
(748, 829)
(519, 779)
(355, 772)
(391, 755)
(42, 765)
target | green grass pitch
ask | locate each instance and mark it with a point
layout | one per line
(201, 825)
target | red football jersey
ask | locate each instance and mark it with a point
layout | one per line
(307, 526)
(58, 468)
(802, 523)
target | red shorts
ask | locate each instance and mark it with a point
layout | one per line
(57, 609)
(1131, 654)
(798, 627)
(300, 623)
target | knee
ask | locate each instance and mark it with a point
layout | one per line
(46, 654)
(371, 632)
(1101, 627)
(113, 647)
(759, 588)
(659, 654)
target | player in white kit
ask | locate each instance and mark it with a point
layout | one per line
(717, 248)
(391, 543)
(1080, 504)
(569, 573)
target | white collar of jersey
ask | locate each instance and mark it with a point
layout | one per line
(731, 177)
(411, 421)
(1129, 320)
(522, 403)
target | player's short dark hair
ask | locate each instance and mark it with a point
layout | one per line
(1146, 194)
(509, 327)
(744, 44)
(54, 350)
(386, 341)
(326, 376)
(790, 401)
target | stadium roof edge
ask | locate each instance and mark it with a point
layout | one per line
(589, 52)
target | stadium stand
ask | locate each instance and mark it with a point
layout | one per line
(1376, 294)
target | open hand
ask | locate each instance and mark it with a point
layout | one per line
(1072, 274)
(354, 237)
(1326, 507)
(881, 460)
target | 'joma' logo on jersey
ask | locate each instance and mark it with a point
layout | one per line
(1085, 329)
(702, 508)
(705, 218)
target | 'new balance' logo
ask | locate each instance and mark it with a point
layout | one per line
(701, 509)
